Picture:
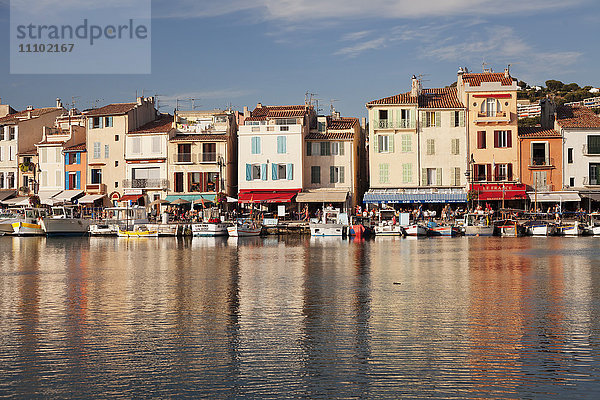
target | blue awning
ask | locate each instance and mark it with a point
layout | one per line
(191, 197)
(411, 198)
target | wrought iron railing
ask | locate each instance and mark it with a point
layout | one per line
(145, 183)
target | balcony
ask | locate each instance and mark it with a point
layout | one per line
(185, 158)
(542, 188)
(593, 152)
(496, 114)
(95, 188)
(209, 158)
(390, 124)
(145, 183)
(541, 162)
(591, 181)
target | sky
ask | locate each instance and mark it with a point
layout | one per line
(344, 52)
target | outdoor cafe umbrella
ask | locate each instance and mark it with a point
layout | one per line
(179, 202)
(159, 202)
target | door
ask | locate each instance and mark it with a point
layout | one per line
(179, 182)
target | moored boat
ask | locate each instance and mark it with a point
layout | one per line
(213, 227)
(416, 230)
(28, 223)
(572, 228)
(138, 231)
(116, 218)
(477, 225)
(388, 225)
(63, 221)
(540, 228)
(442, 230)
(332, 223)
(510, 228)
(243, 228)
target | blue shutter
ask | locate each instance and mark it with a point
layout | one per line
(274, 171)
(90, 123)
(290, 172)
(263, 172)
(78, 159)
(101, 123)
(66, 181)
(78, 180)
(67, 159)
(248, 172)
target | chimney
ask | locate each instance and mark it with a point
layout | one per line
(363, 123)
(58, 103)
(140, 101)
(246, 112)
(258, 105)
(29, 108)
(415, 87)
(506, 72)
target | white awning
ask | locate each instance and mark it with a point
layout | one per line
(322, 196)
(68, 195)
(47, 197)
(554, 197)
(17, 201)
(90, 198)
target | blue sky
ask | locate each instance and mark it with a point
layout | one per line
(352, 51)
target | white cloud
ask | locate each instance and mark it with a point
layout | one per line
(355, 50)
(356, 35)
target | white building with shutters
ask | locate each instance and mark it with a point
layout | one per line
(417, 140)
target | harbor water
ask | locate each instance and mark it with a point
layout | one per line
(300, 317)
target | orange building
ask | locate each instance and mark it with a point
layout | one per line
(541, 159)
(75, 166)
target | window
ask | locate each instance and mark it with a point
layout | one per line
(430, 146)
(325, 148)
(256, 171)
(384, 173)
(156, 147)
(502, 139)
(73, 158)
(336, 174)
(337, 148)
(490, 107)
(538, 154)
(57, 178)
(211, 182)
(572, 181)
(503, 172)
(96, 149)
(284, 128)
(315, 174)
(316, 148)
(540, 180)
(432, 176)
(116, 184)
(96, 122)
(106, 151)
(457, 118)
(11, 133)
(255, 145)
(321, 126)
(383, 115)
(96, 176)
(270, 129)
(432, 118)
(1, 153)
(209, 152)
(383, 142)
(483, 172)
(281, 171)
(1, 180)
(281, 145)
(406, 143)
(10, 180)
(286, 121)
(108, 122)
(455, 176)
(116, 163)
(11, 153)
(455, 144)
(136, 145)
(406, 173)
(593, 144)
(178, 186)
(570, 156)
(194, 182)
(116, 138)
(256, 129)
(594, 173)
(405, 118)
(481, 139)
(43, 155)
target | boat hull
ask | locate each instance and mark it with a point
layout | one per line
(27, 228)
(542, 230)
(328, 230)
(416, 230)
(209, 229)
(389, 230)
(65, 226)
(444, 231)
(137, 234)
(570, 230)
(479, 230)
(235, 231)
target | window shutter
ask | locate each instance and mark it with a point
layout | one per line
(453, 118)
(78, 180)
(323, 151)
(439, 177)
(309, 148)
(423, 176)
(480, 139)
(453, 146)
(509, 168)
(331, 174)
(398, 117)
(438, 119)
(375, 144)
(248, 172)
(452, 177)
(341, 174)
(101, 123)
(412, 118)
(327, 148)
(66, 179)
(496, 135)
(423, 121)
(78, 158)
(263, 172)
(509, 138)
(457, 176)
(290, 171)
(342, 145)
(461, 118)
(497, 172)
(274, 174)
(90, 123)
(67, 158)
(488, 172)
(391, 143)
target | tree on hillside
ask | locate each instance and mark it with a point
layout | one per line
(554, 85)
(571, 87)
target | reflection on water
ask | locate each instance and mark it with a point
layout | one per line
(299, 317)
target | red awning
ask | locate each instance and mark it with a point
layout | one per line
(499, 191)
(267, 195)
(132, 197)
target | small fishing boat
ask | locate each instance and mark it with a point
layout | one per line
(7, 218)
(510, 228)
(442, 230)
(28, 223)
(361, 227)
(388, 225)
(244, 227)
(475, 224)
(64, 221)
(332, 223)
(594, 225)
(416, 230)
(213, 227)
(139, 231)
(540, 228)
(572, 228)
(118, 218)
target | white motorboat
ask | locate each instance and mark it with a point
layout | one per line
(28, 223)
(416, 230)
(244, 228)
(332, 223)
(214, 227)
(510, 228)
(118, 217)
(540, 228)
(388, 225)
(573, 228)
(477, 225)
(7, 217)
(64, 221)
(594, 225)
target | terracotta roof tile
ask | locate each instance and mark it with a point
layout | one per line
(429, 98)
(330, 136)
(36, 112)
(111, 109)
(341, 123)
(527, 131)
(402, 98)
(475, 79)
(577, 117)
(76, 147)
(267, 112)
(198, 137)
(163, 124)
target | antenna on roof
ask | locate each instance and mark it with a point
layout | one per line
(157, 102)
(194, 106)
(331, 106)
(96, 102)
(73, 101)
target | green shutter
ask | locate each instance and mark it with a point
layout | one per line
(391, 143)
(452, 176)
(423, 176)
(452, 118)
(412, 118)
(331, 174)
(263, 172)
(327, 148)
(290, 171)
(342, 144)
(308, 148)
(341, 174)
(248, 172)
(438, 119)
(274, 174)
(375, 144)
(439, 177)
(423, 121)
(461, 118)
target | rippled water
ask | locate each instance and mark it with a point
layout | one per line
(299, 317)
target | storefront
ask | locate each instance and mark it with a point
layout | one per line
(501, 195)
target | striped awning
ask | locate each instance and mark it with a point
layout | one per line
(398, 197)
(191, 197)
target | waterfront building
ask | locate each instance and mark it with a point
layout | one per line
(417, 147)
(203, 155)
(492, 128)
(107, 128)
(19, 132)
(146, 169)
(580, 129)
(271, 153)
(333, 163)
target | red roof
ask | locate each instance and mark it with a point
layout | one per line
(343, 123)
(576, 117)
(429, 98)
(198, 137)
(267, 195)
(475, 78)
(36, 112)
(77, 147)
(111, 109)
(330, 136)
(526, 131)
(266, 112)
(163, 124)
